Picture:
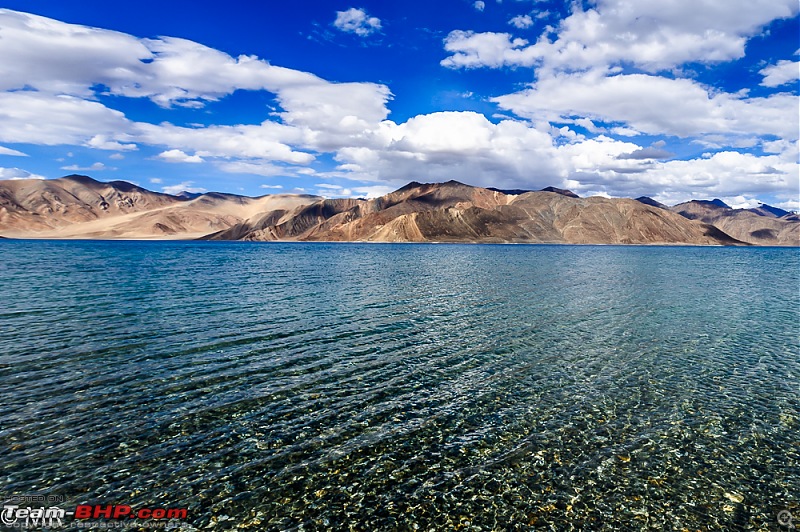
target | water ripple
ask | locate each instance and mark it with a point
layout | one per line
(322, 386)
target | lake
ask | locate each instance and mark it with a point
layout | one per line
(312, 386)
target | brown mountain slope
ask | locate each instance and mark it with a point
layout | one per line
(760, 228)
(80, 207)
(454, 212)
(30, 205)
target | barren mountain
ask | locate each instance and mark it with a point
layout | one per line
(80, 207)
(31, 205)
(762, 226)
(454, 212)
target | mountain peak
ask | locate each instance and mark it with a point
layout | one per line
(409, 186)
(716, 202)
(188, 195)
(510, 191)
(650, 201)
(562, 191)
(79, 206)
(82, 179)
(768, 210)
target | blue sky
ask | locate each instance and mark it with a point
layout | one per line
(677, 100)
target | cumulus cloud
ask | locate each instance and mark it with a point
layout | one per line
(644, 154)
(370, 192)
(652, 36)
(781, 73)
(59, 58)
(474, 50)
(63, 65)
(156, 180)
(724, 174)
(17, 173)
(479, 5)
(267, 141)
(50, 55)
(654, 105)
(276, 187)
(53, 56)
(356, 21)
(515, 154)
(330, 190)
(178, 156)
(101, 142)
(59, 119)
(521, 21)
(453, 145)
(185, 186)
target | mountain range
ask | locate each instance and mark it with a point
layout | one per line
(78, 206)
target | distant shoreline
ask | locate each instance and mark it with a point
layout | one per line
(268, 242)
(79, 207)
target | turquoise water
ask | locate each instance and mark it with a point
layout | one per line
(382, 387)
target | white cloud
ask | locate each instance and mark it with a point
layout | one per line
(262, 141)
(371, 192)
(56, 57)
(624, 131)
(479, 5)
(453, 145)
(791, 205)
(116, 156)
(13, 153)
(50, 55)
(17, 173)
(330, 114)
(64, 64)
(187, 73)
(277, 187)
(512, 154)
(650, 35)
(781, 73)
(644, 154)
(101, 142)
(177, 156)
(59, 119)
(265, 169)
(741, 202)
(654, 105)
(521, 21)
(156, 180)
(329, 190)
(95, 167)
(185, 186)
(725, 174)
(473, 50)
(356, 21)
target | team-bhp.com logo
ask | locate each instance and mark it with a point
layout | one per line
(17, 516)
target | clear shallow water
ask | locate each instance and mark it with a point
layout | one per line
(380, 387)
